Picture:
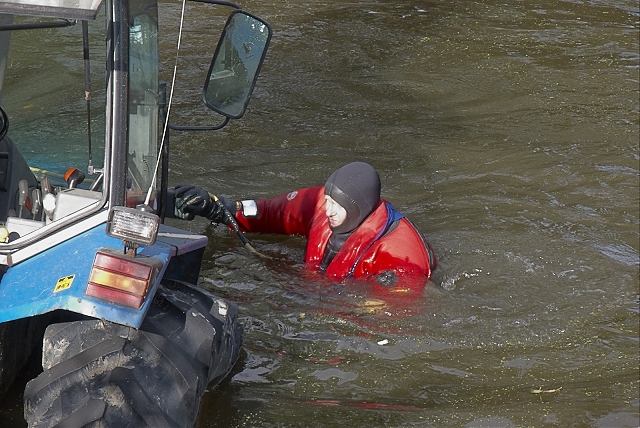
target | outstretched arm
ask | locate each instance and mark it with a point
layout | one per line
(287, 214)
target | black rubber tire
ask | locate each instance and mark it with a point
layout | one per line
(101, 374)
(18, 339)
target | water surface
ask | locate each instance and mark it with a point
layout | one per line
(508, 132)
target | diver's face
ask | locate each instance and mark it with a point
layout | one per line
(335, 213)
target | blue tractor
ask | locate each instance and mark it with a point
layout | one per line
(89, 272)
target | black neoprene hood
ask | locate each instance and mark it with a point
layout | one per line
(356, 187)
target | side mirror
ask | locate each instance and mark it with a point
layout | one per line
(236, 64)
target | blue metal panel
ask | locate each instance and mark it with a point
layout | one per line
(57, 278)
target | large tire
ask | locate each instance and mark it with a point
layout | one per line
(17, 340)
(101, 374)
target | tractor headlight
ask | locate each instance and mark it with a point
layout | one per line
(132, 225)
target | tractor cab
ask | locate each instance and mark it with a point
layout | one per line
(69, 153)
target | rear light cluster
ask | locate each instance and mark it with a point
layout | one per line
(121, 279)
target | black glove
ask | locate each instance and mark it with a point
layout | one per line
(191, 201)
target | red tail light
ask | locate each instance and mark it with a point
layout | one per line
(121, 279)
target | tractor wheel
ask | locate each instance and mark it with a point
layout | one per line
(101, 374)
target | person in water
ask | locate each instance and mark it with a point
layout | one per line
(352, 232)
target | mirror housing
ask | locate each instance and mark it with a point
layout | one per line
(236, 64)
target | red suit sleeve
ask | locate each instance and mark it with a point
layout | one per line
(286, 214)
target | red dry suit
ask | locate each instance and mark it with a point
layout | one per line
(385, 250)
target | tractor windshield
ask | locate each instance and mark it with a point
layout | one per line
(43, 95)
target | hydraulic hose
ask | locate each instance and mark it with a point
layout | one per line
(231, 220)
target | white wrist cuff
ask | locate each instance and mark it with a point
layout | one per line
(249, 208)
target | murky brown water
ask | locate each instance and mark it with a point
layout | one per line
(508, 132)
